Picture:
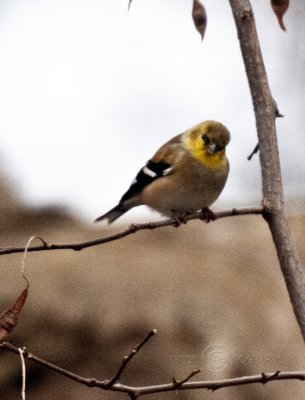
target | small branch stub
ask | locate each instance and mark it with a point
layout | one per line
(178, 384)
(255, 150)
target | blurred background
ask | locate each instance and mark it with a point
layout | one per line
(88, 93)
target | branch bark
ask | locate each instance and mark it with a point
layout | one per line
(273, 200)
(132, 229)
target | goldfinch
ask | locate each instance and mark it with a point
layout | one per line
(186, 174)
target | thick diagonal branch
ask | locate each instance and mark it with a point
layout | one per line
(273, 199)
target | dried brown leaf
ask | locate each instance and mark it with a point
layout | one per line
(280, 7)
(9, 319)
(199, 17)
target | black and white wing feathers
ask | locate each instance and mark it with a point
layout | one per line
(152, 171)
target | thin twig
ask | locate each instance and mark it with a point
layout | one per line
(137, 391)
(255, 150)
(133, 228)
(26, 249)
(23, 373)
(128, 358)
(180, 383)
(25, 254)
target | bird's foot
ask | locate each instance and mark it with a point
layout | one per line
(179, 218)
(207, 215)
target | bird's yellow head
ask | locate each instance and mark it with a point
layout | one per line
(207, 142)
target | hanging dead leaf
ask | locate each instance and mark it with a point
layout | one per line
(280, 7)
(199, 17)
(9, 319)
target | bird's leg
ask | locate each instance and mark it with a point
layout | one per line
(207, 215)
(179, 218)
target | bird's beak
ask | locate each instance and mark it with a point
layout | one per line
(212, 148)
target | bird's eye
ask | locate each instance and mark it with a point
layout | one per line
(206, 139)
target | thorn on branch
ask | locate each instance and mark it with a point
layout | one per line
(276, 374)
(267, 378)
(255, 150)
(264, 378)
(278, 114)
(276, 110)
(127, 359)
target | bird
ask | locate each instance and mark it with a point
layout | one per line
(186, 174)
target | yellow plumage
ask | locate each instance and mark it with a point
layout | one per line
(187, 173)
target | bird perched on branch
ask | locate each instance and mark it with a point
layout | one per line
(186, 174)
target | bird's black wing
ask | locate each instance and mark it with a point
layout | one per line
(150, 172)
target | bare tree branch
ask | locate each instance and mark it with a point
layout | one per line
(133, 228)
(265, 110)
(190, 376)
(128, 358)
(137, 391)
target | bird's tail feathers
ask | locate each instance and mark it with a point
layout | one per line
(113, 214)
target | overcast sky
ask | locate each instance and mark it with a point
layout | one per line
(88, 92)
